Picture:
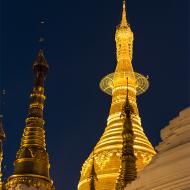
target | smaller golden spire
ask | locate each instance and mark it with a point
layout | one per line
(32, 166)
(128, 171)
(124, 17)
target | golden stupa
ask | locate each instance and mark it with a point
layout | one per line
(105, 157)
(31, 167)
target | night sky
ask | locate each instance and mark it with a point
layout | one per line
(80, 50)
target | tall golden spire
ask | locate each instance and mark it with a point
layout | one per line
(31, 167)
(108, 150)
(124, 17)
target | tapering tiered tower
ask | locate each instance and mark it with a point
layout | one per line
(107, 152)
(31, 167)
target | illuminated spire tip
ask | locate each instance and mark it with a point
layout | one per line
(124, 18)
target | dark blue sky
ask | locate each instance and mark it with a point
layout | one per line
(80, 49)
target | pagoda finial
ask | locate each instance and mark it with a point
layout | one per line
(124, 16)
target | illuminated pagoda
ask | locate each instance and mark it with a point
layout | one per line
(107, 152)
(31, 167)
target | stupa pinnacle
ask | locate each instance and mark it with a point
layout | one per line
(31, 167)
(108, 151)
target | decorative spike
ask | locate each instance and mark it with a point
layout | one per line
(124, 16)
(128, 171)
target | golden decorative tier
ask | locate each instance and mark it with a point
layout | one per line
(107, 154)
(106, 84)
(30, 181)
